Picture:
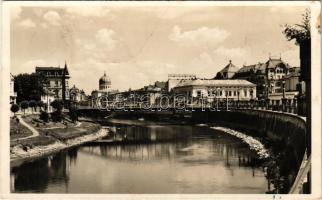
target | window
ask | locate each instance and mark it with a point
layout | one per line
(198, 93)
(230, 93)
(220, 93)
(235, 93)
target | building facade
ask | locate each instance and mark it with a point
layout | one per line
(99, 98)
(268, 76)
(77, 95)
(56, 81)
(13, 94)
(210, 90)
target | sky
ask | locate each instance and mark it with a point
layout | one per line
(137, 46)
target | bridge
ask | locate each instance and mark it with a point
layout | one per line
(285, 131)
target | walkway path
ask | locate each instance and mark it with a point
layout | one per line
(32, 129)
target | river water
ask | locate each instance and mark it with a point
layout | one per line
(151, 159)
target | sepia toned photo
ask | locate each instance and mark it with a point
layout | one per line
(152, 98)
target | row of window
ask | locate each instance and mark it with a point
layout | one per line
(227, 93)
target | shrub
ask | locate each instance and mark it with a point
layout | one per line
(40, 104)
(14, 108)
(32, 104)
(73, 113)
(24, 105)
(57, 105)
(44, 116)
(57, 116)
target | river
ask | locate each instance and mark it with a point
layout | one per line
(151, 159)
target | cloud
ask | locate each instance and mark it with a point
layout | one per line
(27, 23)
(103, 41)
(52, 18)
(15, 12)
(199, 37)
(106, 37)
(87, 11)
(231, 52)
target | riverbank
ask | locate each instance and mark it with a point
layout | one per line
(253, 144)
(19, 155)
(50, 138)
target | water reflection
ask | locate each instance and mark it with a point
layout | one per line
(154, 159)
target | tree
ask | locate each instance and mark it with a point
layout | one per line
(24, 105)
(73, 113)
(29, 86)
(57, 114)
(44, 116)
(40, 104)
(14, 108)
(57, 105)
(299, 32)
(302, 35)
(32, 105)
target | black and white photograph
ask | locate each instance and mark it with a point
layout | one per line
(167, 98)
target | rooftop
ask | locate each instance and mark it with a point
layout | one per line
(212, 82)
(230, 68)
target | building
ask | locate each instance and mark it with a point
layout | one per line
(292, 79)
(105, 83)
(175, 79)
(227, 72)
(210, 89)
(290, 88)
(13, 94)
(47, 99)
(149, 95)
(105, 89)
(57, 81)
(77, 95)
(267, 76)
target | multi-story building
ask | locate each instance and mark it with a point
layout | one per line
(267, 76)
(13, 94)
(56, 81)
(290, 88)
(210, 89)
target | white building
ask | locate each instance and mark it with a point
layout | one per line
(13, 94)
(47, 99)
(241, 90)
(175, 79)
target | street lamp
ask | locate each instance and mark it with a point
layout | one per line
(283, 99)
(217, 89)
(227, 100)
(238, 91)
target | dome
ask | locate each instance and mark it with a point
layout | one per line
(104, 79)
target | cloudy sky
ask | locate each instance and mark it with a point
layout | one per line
(137, 46)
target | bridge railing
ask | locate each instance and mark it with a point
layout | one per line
(292, 107)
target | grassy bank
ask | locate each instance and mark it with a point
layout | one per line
(52, 138)
(17, 130)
